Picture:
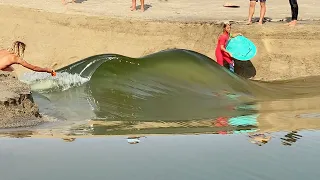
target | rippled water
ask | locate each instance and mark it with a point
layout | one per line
(172, 91)
(187, 118)
(286, 156)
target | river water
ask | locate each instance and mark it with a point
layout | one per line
(200, 121)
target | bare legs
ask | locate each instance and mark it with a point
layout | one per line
(251, 11)
(134, 4)
(263, 10)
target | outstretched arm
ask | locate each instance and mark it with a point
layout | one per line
(32, 67)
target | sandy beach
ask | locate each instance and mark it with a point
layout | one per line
(172, 10)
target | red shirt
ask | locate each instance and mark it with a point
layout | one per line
(221, 55)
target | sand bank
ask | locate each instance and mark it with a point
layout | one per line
(55, 39)
(17, 108)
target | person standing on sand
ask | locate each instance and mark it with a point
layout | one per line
(252, 9)
(222, 55)
(14, 55)
(294, 12)
(134, 4)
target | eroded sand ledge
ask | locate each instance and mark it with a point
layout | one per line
(17, 108)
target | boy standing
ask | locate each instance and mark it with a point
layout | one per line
(252, 8)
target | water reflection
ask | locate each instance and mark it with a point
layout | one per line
(68, 139)
(259, 139)
(135, 139)
(254, 135)
(290, 138)
(17, 134)
(261, 118)
(186, 157)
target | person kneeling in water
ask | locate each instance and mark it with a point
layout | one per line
(222, 54)
(14, 55)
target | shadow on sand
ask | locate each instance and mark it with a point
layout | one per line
(146, 6)
(265, 19)
(80, 1)
(245, 69)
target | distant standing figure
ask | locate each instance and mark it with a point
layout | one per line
(294, 12)
(134, 4)
(252, 9)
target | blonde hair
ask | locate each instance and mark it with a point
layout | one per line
(18, 48)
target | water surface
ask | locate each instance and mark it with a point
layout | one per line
(195, 120)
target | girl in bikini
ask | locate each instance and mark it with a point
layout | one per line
(222, 55)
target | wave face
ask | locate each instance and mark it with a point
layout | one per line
(170, 85)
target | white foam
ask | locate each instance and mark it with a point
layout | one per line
(46, 82)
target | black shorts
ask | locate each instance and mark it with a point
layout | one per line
(259, 0)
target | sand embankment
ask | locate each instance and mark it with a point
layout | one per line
(17, 108)
(60, 39)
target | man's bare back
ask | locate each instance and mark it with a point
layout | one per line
(8, 58)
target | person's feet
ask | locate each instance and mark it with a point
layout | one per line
(249, 22)
(292, 23)
(134, 8)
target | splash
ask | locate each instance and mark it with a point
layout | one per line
(43, 82)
